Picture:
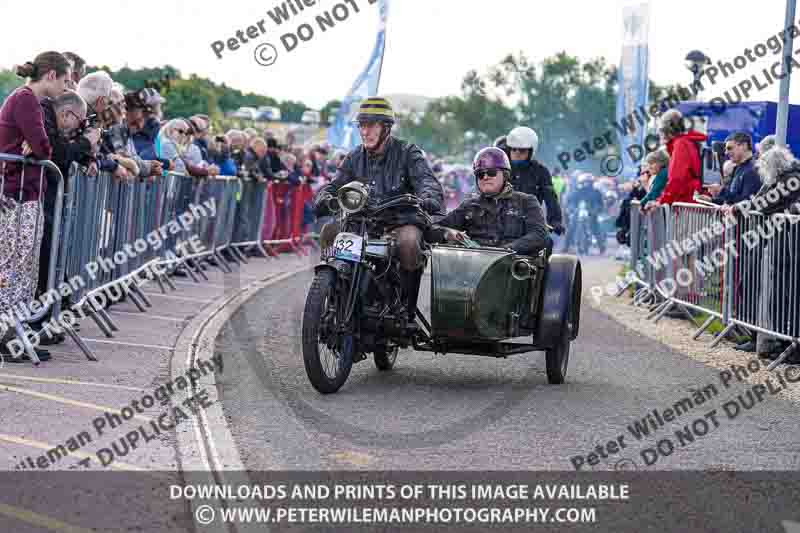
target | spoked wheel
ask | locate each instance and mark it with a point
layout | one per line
(557, 357)
(327, 359)
(386, 356)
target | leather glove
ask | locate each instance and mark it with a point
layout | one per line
(430, 206)
(558, 228)
(321, 205)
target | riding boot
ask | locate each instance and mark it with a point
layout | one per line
(411, 282)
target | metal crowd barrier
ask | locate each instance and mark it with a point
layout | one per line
(22, 313)
(698, 270)
(215, 232)
(745, 276)
(648, 233)
(250, 214)
(764, 278)
(107, 221)
(112, 234)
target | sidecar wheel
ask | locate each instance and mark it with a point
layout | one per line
(557, 359)
(327, 368)
(385, 357)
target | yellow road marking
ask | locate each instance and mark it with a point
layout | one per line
(356, 458)
(119, 465)
(67, 401)
(70, 382)
(24, 515)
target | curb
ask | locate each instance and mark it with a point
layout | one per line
(207, 452)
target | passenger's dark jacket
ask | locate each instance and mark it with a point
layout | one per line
(510, 220)
(400, 169)
(744, 184)
(535, 179)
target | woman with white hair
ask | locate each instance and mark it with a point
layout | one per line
(172, 141)
(780, 175)
(766, 144)
(657, 163)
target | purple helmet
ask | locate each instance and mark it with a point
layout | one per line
(491, 158)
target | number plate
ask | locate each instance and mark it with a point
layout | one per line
(348, 247)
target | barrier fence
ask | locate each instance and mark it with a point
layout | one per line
(745, 275)
(109, 237)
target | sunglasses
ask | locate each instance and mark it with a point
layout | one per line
(492, 173)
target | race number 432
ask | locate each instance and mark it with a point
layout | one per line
(348, 247)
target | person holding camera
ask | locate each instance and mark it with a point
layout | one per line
(143, 126)
(192, 156)
(117, 145)
(73, 142)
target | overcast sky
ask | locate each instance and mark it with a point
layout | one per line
(431, 43)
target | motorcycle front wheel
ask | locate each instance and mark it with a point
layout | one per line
(327, 358)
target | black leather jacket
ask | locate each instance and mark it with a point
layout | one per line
(511, 220)
(535, 179)
(400, 169)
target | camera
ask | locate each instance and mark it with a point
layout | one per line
(220, 139)
(90, 122)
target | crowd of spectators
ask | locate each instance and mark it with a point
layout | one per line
(753, 181)
(70, 117)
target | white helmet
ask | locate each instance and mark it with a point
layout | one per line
(524, 139)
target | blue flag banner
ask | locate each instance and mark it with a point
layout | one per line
(633, 89)
(343, 134)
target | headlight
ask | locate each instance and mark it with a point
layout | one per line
(353, 197)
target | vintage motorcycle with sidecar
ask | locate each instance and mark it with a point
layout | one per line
(481, 298)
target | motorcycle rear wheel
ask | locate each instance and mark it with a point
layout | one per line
(327, 367)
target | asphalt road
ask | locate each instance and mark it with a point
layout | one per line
(459, 412)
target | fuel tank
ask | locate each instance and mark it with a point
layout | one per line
(473, 294)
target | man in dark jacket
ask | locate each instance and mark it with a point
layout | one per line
(498, 216)
(745, 181)
(392, 168)
(63, 118)
(530, 176)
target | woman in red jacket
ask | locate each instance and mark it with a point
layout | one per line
(683, 173)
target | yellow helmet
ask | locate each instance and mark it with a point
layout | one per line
(376, 108)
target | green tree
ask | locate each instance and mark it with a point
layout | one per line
(8, 82)
(188, 97)
(292, 111)
(325, 112)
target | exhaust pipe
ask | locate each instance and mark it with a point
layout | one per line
(522, 269)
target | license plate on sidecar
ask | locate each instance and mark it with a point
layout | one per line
(348, 247)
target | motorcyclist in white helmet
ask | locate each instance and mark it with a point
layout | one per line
(530, 176)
